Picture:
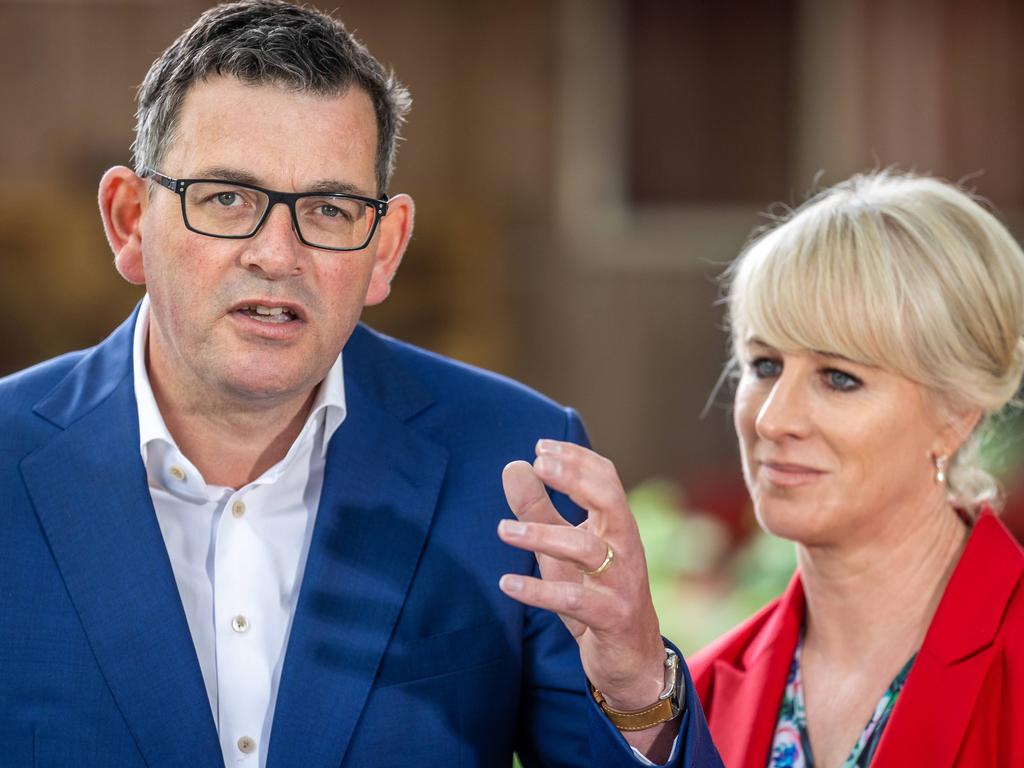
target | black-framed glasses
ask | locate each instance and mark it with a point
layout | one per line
(229, 209)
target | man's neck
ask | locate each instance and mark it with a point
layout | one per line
(231, 444)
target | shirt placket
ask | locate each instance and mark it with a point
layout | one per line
(242, 569)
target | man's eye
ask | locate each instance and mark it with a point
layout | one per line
(841, 381)
(227, 198)
(330, 211)
(765, 367)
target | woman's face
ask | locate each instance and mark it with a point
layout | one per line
(831, 449)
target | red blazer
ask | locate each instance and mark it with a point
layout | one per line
(963, 704)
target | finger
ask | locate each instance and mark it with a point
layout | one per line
(577, 547)
(579, 606)
(527, 496)
(589, 479)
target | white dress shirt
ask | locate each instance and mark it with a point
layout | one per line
(238, 556)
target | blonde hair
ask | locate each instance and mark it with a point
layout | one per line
(900, 271)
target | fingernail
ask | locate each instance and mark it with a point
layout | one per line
(547, 465)
(512, 527)
(510, 583)
(548, 446)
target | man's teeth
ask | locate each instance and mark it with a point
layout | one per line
(269, 314)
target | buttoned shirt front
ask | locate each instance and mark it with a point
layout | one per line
(238, 556)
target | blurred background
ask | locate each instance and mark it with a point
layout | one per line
(583, 170)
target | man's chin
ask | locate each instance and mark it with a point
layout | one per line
(268, 388)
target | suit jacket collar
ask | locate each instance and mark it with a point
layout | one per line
(381, 487)
(90, 493)
(89, 488)
(754, 684)
(934, 709)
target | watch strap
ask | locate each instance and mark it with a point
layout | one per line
(664, 709)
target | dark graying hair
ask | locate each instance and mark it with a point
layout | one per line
(267, 42)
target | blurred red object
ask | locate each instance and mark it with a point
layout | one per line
(720, 492)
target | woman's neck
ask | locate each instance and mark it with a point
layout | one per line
(877, 598)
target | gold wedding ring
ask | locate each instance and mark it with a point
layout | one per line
(605, 565)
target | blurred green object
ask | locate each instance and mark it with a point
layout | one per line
(702, 582)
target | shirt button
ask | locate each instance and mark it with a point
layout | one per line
(240, 624)
(178, 473)
(238, 509)
(246, 745)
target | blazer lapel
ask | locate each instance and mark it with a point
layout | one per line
(934, 709)
(743, 731)
(90, 493)
(380, 490)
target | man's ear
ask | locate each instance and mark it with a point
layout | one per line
(393, 235)
(122, 199)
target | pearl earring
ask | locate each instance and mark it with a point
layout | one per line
(940, 468)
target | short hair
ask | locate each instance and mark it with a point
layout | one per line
(267, 42)
(900, 271)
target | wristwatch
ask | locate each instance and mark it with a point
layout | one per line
(664, 709)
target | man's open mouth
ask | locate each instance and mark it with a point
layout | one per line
(268, 314)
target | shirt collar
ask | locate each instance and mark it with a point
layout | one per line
(329, 400)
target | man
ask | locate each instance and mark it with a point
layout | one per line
(246, 529)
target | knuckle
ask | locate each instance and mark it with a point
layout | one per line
(574, 597)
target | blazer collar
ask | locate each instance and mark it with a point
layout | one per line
(382, 483)
(90, 492)
(754, 684)
(934, 709)
(972, 607)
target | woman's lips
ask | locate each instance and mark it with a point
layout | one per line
(789, 475)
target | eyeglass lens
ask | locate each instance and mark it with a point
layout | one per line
(215, 208)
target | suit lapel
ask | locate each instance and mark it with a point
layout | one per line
(749, 693)
(380, 490)
(934, 709)
(89, 489)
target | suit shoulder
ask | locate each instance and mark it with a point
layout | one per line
(21, 390)
(445, 376)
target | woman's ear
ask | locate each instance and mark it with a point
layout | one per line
(122, 199)
(960, 423)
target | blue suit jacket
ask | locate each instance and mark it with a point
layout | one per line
(403, 652)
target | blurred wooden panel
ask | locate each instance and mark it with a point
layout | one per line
(945, 86)
(710, 92)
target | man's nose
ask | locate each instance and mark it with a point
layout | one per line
(275, 250)
(784, 412)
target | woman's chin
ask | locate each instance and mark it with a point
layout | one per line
(802, 522)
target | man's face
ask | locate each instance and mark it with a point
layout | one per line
(205, 342)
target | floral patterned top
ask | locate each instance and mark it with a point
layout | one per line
(791, 747)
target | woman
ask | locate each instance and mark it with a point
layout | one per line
(875, 330)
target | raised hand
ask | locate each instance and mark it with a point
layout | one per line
(594, 575)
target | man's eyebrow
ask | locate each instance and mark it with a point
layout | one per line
(327, 186)
(222, 173)
(321, 187)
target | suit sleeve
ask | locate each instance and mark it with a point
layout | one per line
(560, 724)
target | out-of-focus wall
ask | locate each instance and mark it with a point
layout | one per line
(582, 170)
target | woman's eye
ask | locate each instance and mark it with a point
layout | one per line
(765, 367)
(841, 381)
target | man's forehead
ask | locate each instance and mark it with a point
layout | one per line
(275, 135)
